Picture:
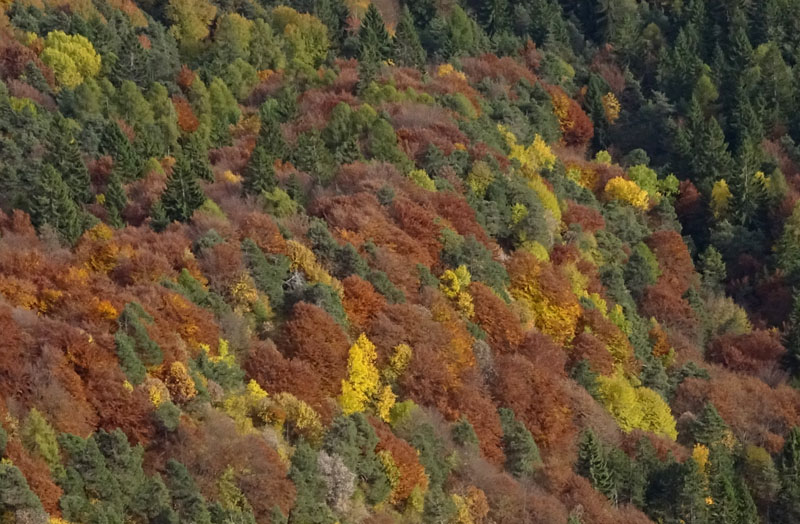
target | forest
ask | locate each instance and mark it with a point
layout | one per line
(399, 261)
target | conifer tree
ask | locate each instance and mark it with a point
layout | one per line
(691, 500)
(116, 200)
(522, 453)
(183, 194)
(65, 156)
(408, 50)
(373, 38)
(259, 176)
(709, 428)
(51, 204)
(195, 151)
(592, 464)
(270, 137)
(186, 497)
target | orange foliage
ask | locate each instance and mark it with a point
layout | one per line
(759, 351)
(260, 228)
(589, 347)
(677, 268)
(361, 302)
(313, 336)
(502, 327)
(277, 374)
(669, 308)
(538, 399)
(576, 127)
(588, 218)
(412, 473)
(733, 394)
(187, 120)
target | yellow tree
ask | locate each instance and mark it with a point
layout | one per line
(72, 58)
(363, 378)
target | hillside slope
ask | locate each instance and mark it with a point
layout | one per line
(447, 262)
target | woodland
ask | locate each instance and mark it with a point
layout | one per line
(399, 261)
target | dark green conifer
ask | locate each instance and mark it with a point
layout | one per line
(51, 203)
(408, 50)
(592, 464)
(183, 194)
(522, 453)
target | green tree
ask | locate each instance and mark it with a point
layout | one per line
(709, 428)
(183, 194)
(16, 498)
(408, 50)
(309, 506)
(65, 155)
(259, 175)
(51, 204)
(592, 464)
(522, 453)
(186, 497)
(115, 200)
(373, 38)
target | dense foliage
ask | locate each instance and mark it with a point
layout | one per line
(399, 261)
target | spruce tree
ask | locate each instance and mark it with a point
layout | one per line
(116, 200)
(592, 464)
(270, 137)
(259, 176)
(691, 500)
(195, 151)
(183, 194)
(709, 428)
(51, 203)
(65, 156)
(522, 453)
(789, 473)
(186, 497)
(373, 38)
(408, 50)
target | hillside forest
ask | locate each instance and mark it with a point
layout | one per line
(399, 261)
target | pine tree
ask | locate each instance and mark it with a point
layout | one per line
(116, 200)
(691, 500)
(789, 472)
(195, 151)
(186, 497)
(65, 156)
(183, 195)
(408, 50)
(522, 453)
(592, 464)
(373, 38)
(270, 136)
(51, 203)
(709, 428)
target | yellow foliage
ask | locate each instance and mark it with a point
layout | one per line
(480, 178)
(179, 383)
(362, 377)
(700, 455)
(106, 309)
(231, 178)
(558, 321)
(248, 408)
(636, 407)
(603, 157)
(611, 107)
(157, 392)
(628, 191)
(453, 284)
(536, 249)
(72, 58)
(446, 70)
(304, 419)
(304, 259)
(720, 199)
(546, 196)
(243, 292)
(398, 362)
(422, 179)
(392, 473)
(127, 386)
(533, 158)
(384, 403)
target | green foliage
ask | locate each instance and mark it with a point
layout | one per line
(592, 464)
(310, 504)
(132, 324)
(522, 453)
(51, 204)
(353, 439)
(464, 434)
(183, 194)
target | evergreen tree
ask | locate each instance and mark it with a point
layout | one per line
(789, 473)
(114, 142)
(408, 50)
(309, 506)
(592, 464)
(373, 38)
(183, 194)
(522, 453)
(259, 175)
(186, 497)
(270, 137)
(116, 200)
(195, 151)
(51, 203)
(709, 428)
(691, 500)
(65, 156)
